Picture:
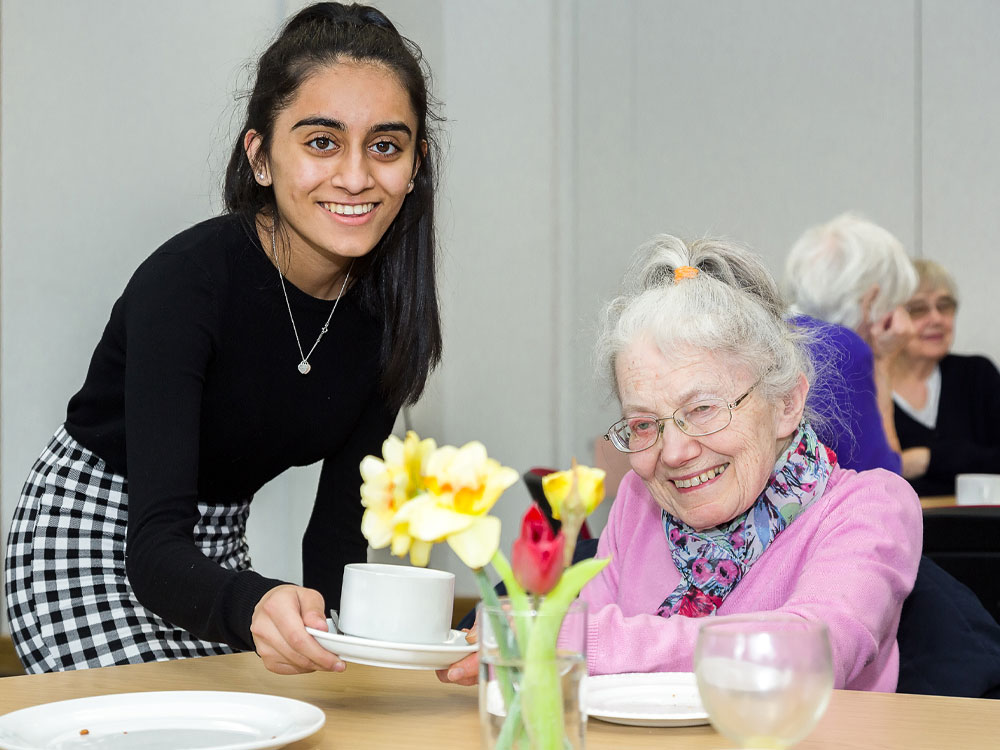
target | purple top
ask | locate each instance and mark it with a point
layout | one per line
(843, 394)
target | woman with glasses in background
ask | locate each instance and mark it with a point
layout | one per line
(734, 505)
(947, 405)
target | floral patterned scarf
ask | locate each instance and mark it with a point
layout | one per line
(713, 561)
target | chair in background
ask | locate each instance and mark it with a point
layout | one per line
(533, 478)
(965, 541)
(948, 643)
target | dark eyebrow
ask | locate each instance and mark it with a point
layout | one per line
(327, 122)
(323, 122)
(388, 127)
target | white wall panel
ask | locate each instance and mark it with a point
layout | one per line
(961, 159)
(499, 201)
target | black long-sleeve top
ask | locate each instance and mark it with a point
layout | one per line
(966, 437)
(193, 395)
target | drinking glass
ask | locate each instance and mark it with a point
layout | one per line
(765, 680)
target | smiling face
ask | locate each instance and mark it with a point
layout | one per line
(703, 481)
(933, 314)
(340, 160)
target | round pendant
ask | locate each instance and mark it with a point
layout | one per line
(304, 367)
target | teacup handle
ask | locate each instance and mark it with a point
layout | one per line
(335, 620)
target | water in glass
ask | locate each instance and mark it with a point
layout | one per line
(765, 681)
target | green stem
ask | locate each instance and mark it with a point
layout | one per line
(572, 581)
(541, 686)
(513, 727)
(509, 649)
(510, 653)
(519, 601)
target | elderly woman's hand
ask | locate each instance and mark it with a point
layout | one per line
(279, 632)
(916, 461)
(890, 335)
(466, 671)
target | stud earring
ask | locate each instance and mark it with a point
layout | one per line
(410, 186)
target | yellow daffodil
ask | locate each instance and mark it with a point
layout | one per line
(557, 487)
(572, 495)
(462, 484)
(389, 484)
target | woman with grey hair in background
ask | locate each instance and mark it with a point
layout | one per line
(847, 281)
(733, 504)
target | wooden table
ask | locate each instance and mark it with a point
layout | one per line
(937, 501)
(372, 708)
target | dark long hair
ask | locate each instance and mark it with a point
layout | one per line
(396, 280)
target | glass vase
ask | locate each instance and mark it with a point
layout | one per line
(532, 662)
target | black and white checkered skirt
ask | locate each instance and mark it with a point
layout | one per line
(69, 603)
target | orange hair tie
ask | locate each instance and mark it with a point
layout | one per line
(685, 272)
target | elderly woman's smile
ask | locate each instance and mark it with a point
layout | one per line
(708, 480)
(699, 480)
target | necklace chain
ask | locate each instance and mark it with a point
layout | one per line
(304, 366)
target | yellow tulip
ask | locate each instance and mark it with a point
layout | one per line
(589, 493)
(572, 495)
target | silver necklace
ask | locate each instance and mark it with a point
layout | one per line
(304, 366)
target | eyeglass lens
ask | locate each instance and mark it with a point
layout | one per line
(944, 306)
(701, 418)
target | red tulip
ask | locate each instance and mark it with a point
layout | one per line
(537, 555)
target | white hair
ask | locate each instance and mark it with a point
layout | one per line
(833, 266)
(731, 308)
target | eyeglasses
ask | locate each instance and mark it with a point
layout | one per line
(697, 419)
(945, 306)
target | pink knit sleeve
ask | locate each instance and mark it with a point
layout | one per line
(856, 570)
(620, 642)
(850, 560)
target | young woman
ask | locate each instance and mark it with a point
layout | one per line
(289, 330)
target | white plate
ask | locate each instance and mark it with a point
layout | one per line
(656, 699)
(176, 720)
(394, 655)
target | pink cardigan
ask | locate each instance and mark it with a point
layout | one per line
(850, 559)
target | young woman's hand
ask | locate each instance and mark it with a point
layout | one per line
(465, 671)
(279, 632)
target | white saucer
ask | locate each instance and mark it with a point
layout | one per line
(394, 655)
(656, 699)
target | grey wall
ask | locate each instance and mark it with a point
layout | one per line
(575, 130)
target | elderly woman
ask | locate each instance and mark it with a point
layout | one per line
(734, 505)
(847, 281)
(948, 405)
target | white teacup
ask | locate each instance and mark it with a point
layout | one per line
(977, 489)
(397, 603)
